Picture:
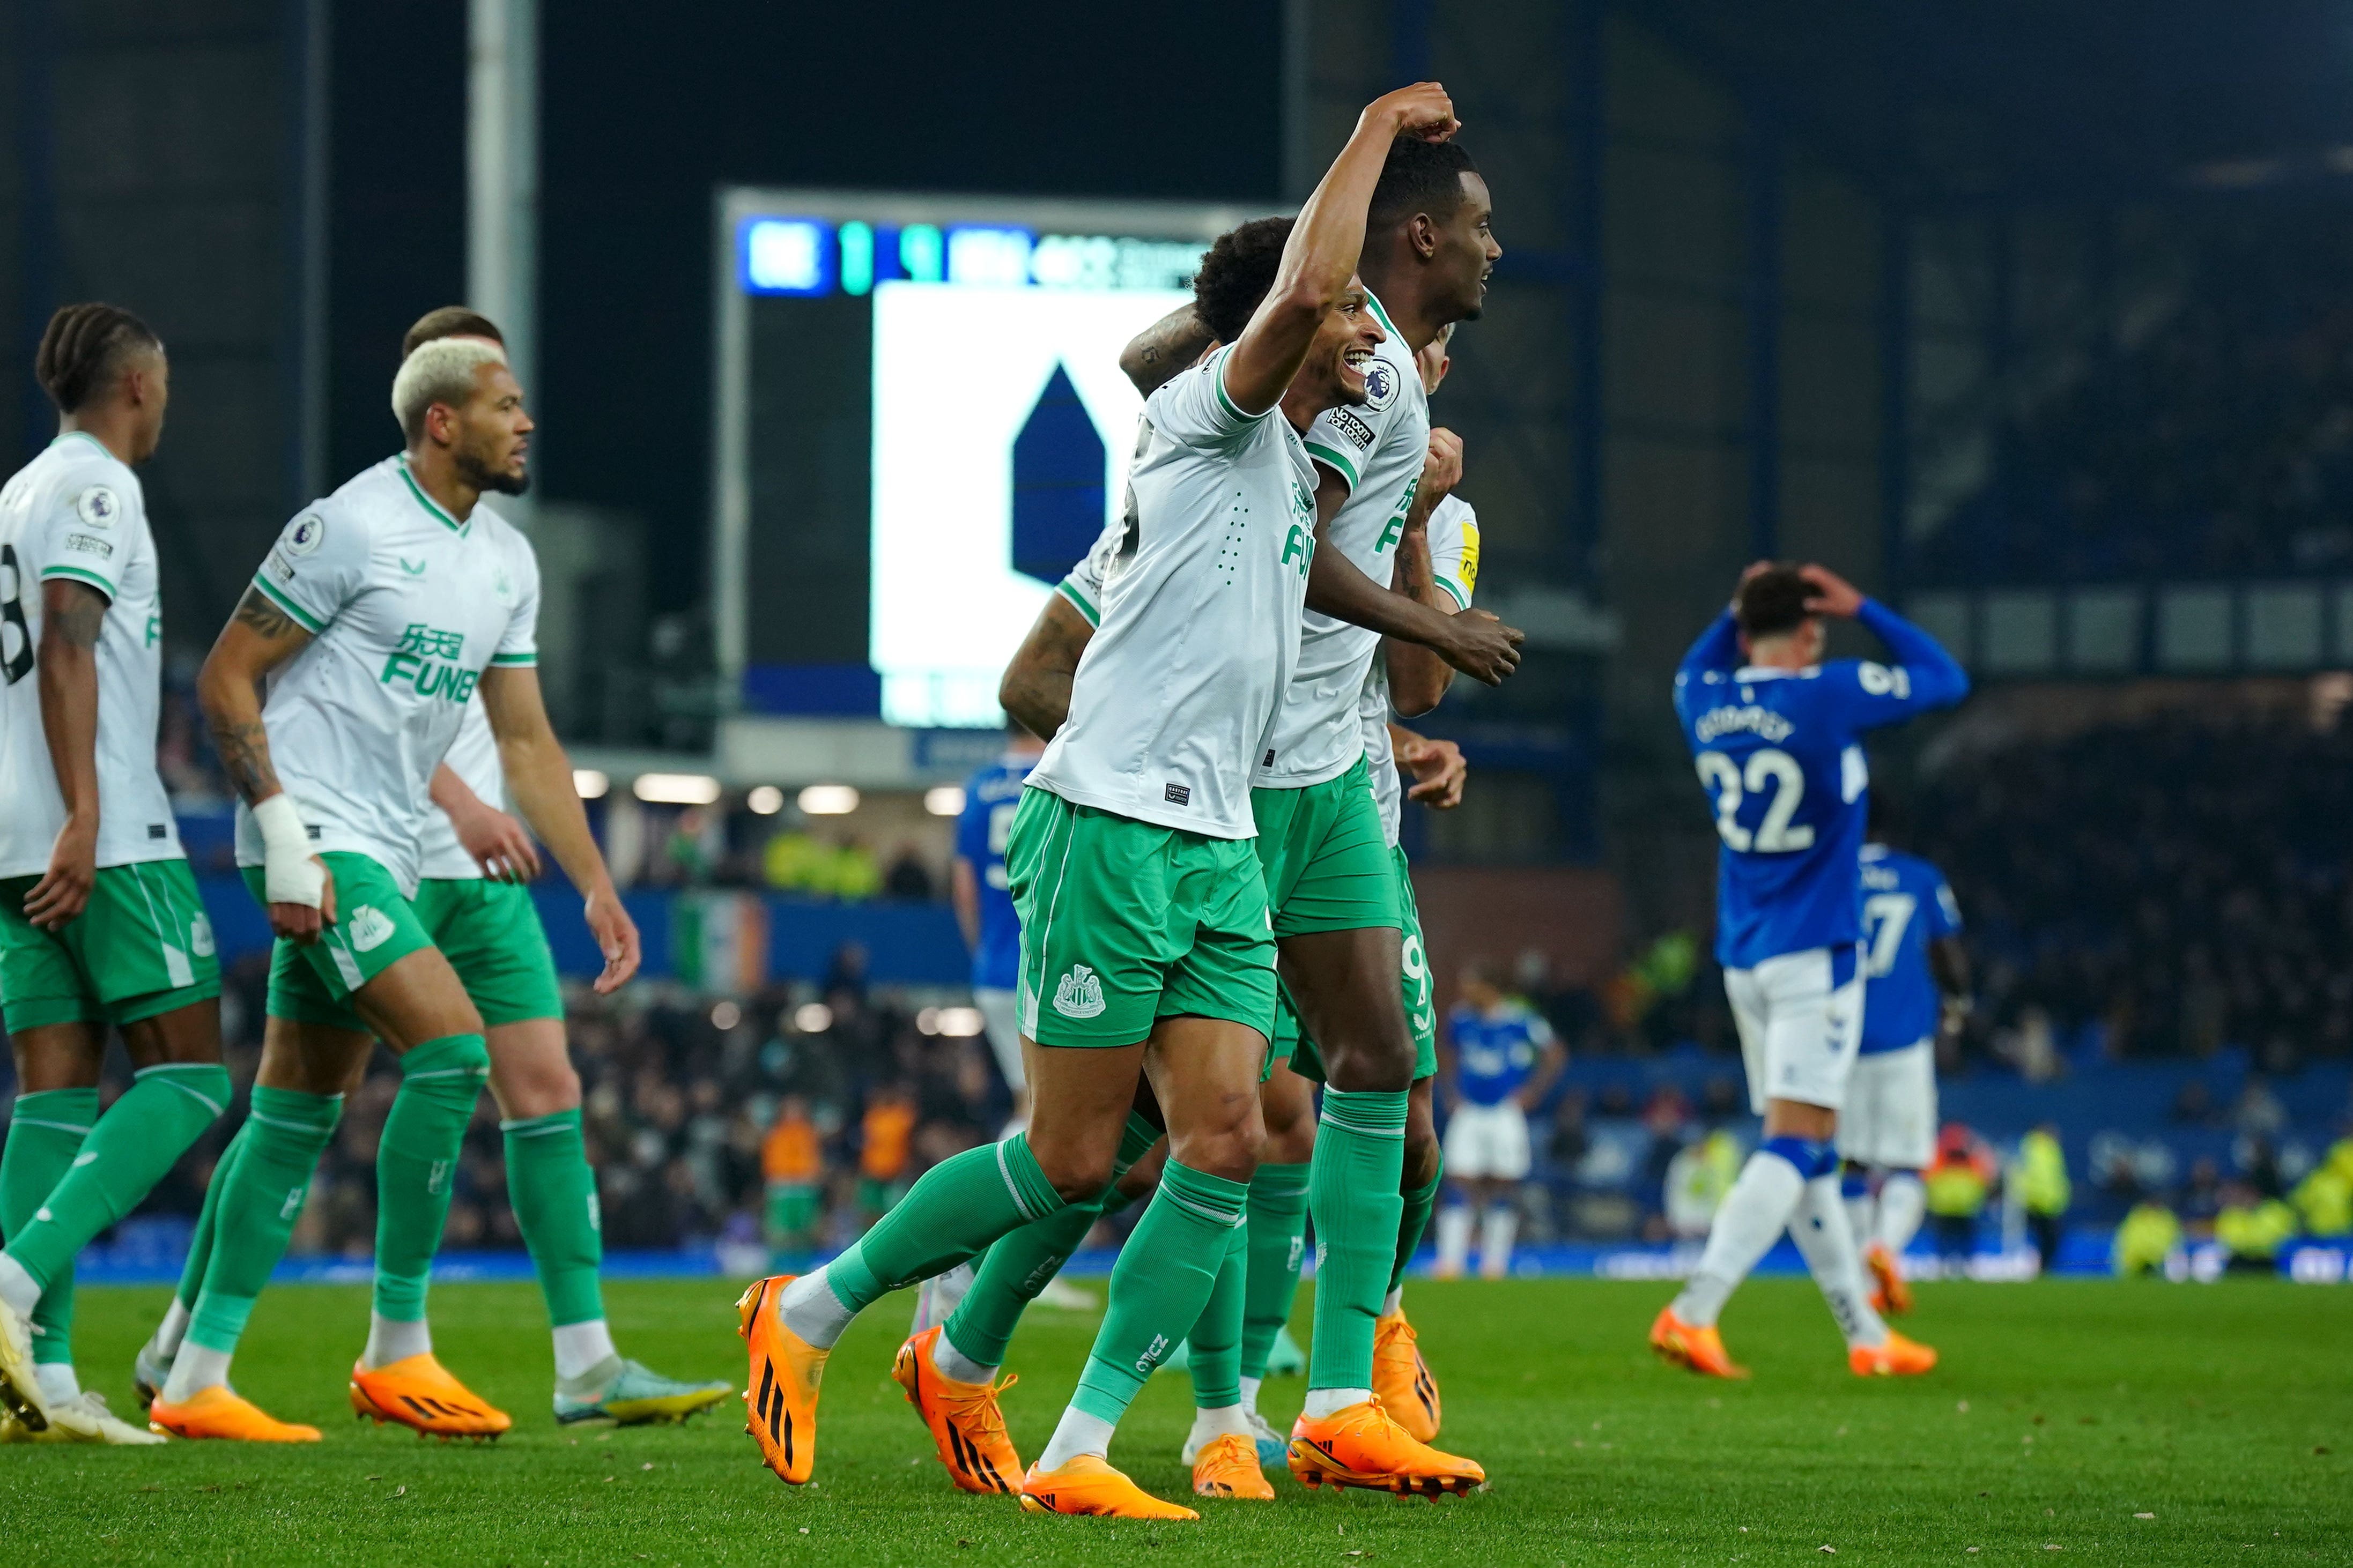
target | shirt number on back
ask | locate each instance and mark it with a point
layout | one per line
(1885, 916)
(16, 635)
(1731, 785)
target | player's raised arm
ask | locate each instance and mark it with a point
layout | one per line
(540, 774)
(72, 614)
(1924, 677)
(1154, 356)
(1320, 259)
(1036, 687)
(263, 633)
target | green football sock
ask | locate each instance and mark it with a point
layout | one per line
(1165, 1277)
(1215, 1359)
(45, 1133)
(555, 1196)
(1419, 1205)
(1352, 1191)
(416, 1167)
(1278, 1236)
(1022, 1262)
(200, 1245)
(260, 1197)
(959, 1206)
(129, 1149)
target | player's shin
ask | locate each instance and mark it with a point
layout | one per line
(1278, 1238)
(1165, 1277)
(1412, 1225)
(1826, 1239)
(1216, 1356)
(1353, 1194)
(1862, 1207)
(417, 1167)
(1753, 1215)
(44, 1133)
(260, 1197)
(1903, 1205)
(555, 1196)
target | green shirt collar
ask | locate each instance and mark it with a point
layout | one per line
(70, 435)
(1382, 316)
(428, 502)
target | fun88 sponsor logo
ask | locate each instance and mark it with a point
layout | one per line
(422, 661)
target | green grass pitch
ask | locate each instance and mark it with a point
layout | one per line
(2064, 1413)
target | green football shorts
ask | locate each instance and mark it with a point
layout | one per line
(1123, 923)
(375, 928)
(1420, 1001)
(1325, 857)
(140, 947)
(489, 933)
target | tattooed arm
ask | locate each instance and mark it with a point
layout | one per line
(1036, 689)
(71, 616)
(1155, 354)
(259, 638)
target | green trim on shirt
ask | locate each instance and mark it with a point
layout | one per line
(427, 501)
(1382, 316)
(92, 578)
(1462, 599)
(515, 659)
(302, 618)
(1095, 616)
(1334, 460)
(70, 435)
(1217, 380)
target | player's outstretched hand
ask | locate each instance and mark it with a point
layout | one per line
(1441, 468)
(1482, 646)
(499, 844)
(1422, 110)
(1438, 769)
(64, 888)
(616, 938)
(1833, 595)
(300, 923)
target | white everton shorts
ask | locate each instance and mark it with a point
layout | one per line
(1800, 1021)
(1489, 1141)
(997, 1020)
(1889, 1118)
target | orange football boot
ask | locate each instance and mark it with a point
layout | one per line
(216, 1412)
(1899, 1357)
(1701, 1350)
(417, 1393)
(1362, 1446)
(1089, 1485)
(1227, 1466)
(964, 1419)
(1402, 1381)
(781, 1396)
(1891, 1293)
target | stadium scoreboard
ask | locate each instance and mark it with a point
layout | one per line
(921, 426)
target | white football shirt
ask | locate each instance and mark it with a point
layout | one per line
(473, 756)
(1083, 585)
(1175, 695)
(406, 606)
(1453, 531)
(76, 513)
(1379, 448)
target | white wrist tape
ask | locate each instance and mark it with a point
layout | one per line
(287, 873)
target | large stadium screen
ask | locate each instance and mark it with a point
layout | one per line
(923, 425)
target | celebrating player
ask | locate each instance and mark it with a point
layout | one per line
(1504, 1060)
(99, 925)
(1145, 926)
(1916, 988)
(1774, 732)
(383, 609)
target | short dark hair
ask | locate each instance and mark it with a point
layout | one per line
(83, 350)
(450, 321)
(1773, 602)
(1418, 176)
(1236, 273)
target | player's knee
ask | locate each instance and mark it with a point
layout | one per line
(1371, 1062)
(1291, 1143)
(1420, 1155)
(1229, 1144)
(1079, 1172)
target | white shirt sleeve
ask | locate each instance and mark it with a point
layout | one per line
(1343, 439)
(90, 535)
(1454, 549)
(1084, 585)
(1195, 410)
(318, 566)
(519, 647)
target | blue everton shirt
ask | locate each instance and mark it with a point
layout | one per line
(1495, 1052)
(1906, 905)
(990, 798)
(1780, 756)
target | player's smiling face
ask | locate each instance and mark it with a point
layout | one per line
(1334, 371)
(1466, 253)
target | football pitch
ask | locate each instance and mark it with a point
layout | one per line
(2065, 1415)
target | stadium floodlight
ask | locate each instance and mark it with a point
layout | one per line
(812, 1018)
(828, 800)
(944, 800)
(765, 800)
(725, 1015)
(960, 1023)
(590, 784)
(676, 789)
